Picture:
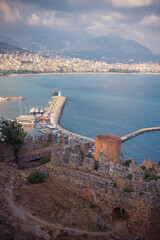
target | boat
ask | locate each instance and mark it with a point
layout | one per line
(32, 110)
(36, 110)
(54, 92)
(41, 110)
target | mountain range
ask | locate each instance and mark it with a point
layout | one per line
(110, 48)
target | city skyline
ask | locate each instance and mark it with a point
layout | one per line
(68, 21)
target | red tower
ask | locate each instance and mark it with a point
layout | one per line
(109, 146)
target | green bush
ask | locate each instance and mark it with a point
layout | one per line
(127, 163)
(45, 160)
(149, 176)
(129, 176)
(35, 177)
(128, 189)
(151, 169)
(143, 167)
(96, 165)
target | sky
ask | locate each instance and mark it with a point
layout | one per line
(64, 20)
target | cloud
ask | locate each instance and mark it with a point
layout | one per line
(47, 19)
(50, 19)
(132, 3)
(151, 20)
(33, 19)
(102, 24)
(9, 15)
(113, 16)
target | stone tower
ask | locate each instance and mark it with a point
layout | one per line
(109, 146)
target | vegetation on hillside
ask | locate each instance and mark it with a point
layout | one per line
(12, 133)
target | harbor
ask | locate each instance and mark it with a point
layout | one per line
(48, 119)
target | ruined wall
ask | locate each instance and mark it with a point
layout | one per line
(109, 146)
(103, 193)
(103, 187)
(38, 147)
(151, 164)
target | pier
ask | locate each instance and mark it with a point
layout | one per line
(10, 98)
(133, 134)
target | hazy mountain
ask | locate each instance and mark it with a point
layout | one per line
(112, 48)
(9, 49)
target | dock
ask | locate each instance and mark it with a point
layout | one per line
(133, 134)
(10, 98)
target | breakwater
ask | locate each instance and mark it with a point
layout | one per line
(133, 134)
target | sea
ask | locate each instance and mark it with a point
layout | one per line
(116, 104)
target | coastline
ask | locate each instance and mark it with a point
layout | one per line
(78, 73)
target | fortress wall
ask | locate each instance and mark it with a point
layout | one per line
(101, 192)
(72, 158)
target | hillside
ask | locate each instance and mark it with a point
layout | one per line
(112, 48)
(9, 49)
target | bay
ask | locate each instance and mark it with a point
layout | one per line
(116, 104)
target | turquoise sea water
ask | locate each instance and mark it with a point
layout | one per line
(115, 104)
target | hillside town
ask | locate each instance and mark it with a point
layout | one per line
(37, 63)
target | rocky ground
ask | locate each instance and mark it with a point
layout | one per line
(46, 211)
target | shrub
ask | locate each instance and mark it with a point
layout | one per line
(129, 176)
(128, 189)
(35, 177)
(127, 163)
(96, 165)
(45, 160)
(151, 169)
(149, 176)
(143, 167)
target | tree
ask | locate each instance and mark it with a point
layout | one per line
(13, 134)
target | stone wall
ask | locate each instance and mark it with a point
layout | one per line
(147, 163)
(41, 146)
(141, 209)
(103, 187)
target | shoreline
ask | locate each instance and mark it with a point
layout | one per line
(78, 73)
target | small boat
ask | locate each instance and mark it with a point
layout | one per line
(32, 110)
(41, 110)
(36, 110)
